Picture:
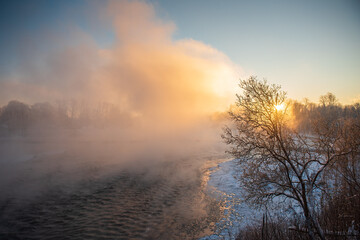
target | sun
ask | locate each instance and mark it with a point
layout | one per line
(279, 107)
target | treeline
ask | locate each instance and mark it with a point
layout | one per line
(306, 114)
(18, 118)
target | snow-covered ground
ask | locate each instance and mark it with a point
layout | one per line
(225, 186)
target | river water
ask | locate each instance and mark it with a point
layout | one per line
(166, 199)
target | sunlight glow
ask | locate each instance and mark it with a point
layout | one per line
(280, 107)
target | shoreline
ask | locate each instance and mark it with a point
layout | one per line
(224, 186)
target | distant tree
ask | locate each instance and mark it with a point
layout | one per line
(277, 160)
(328, 99)
(16, 116)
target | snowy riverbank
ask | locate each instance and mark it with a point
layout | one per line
(225, 186)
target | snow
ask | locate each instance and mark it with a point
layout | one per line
(225, 186)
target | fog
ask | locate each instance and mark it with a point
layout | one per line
(168, 89)
(170, 92)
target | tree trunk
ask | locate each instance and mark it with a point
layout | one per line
(311, 224)
(318, 228)
(309, 227)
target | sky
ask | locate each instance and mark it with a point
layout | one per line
(308, 47)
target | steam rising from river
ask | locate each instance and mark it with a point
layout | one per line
(170, 88)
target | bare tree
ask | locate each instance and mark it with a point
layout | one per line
(279, 162)
(328, 99)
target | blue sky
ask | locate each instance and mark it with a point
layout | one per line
(308, 47)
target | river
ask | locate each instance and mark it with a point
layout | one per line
(58, 196)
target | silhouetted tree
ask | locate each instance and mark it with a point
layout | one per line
(277, 160)
(328, 99)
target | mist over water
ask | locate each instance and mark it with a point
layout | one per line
(79, 187)
(114, 181)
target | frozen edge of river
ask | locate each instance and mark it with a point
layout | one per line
(225, 186)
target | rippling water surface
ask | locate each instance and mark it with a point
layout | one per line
(164, 200)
